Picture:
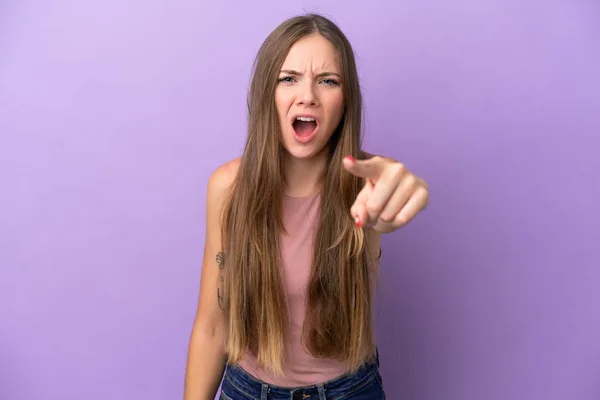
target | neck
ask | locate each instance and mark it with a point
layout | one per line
(302, 175)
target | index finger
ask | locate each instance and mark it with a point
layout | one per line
(371, 168)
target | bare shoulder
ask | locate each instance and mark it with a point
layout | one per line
(221, 179)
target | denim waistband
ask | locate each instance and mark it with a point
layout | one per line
(254, 388)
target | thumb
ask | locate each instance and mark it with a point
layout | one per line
(359, 208)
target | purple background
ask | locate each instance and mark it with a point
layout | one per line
(113, 114)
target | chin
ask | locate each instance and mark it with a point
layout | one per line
(301, 153)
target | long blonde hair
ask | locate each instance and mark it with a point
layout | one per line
(338, 317)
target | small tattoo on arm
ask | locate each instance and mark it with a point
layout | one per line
(221, 259)
(220, 299)
(221, 264)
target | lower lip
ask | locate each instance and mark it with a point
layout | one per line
(306, 138)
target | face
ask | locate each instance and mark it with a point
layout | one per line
(309, 96)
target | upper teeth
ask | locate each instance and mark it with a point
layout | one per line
(306, 119)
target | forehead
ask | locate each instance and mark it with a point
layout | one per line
(313, 53)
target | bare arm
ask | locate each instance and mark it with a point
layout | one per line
(206, 354)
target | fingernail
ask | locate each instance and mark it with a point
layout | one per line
(357, 221)
(351, 159)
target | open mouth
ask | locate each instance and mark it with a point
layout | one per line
(304, 126)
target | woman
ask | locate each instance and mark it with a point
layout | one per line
(293, 233)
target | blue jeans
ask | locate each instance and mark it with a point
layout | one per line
(364, 384)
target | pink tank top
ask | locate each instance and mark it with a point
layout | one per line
(300, 215)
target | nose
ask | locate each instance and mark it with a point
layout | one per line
(307, 95)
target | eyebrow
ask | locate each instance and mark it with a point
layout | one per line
(322, 74)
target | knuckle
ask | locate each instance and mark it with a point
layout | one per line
(386, 218)
(397, 169)
(411, 181)
(401, 219)
(373, 208)
(424, 193)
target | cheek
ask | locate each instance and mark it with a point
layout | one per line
(282, 104)
(336, 108)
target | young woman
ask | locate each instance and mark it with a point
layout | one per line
(293, 233)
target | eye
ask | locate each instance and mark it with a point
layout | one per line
(330, 82)
(286, 79)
